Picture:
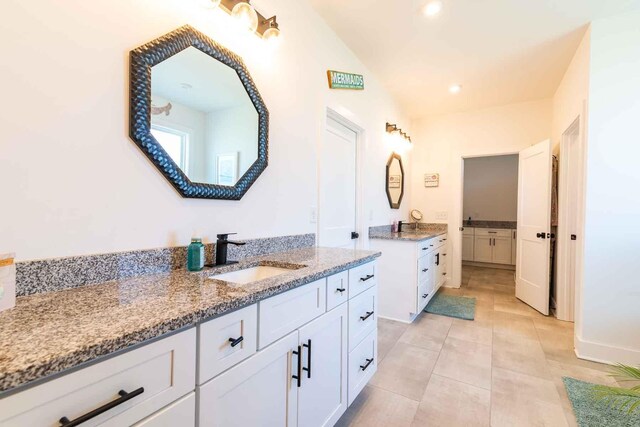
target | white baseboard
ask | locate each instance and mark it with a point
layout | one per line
(394, 319)
(603, 353)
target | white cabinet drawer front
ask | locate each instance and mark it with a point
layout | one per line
(363, 316)
(180, 413)
(493, 232)
(164, 370)
(442, 240)
(288, 311)
(256, 392)
(424, 270)
(468, 231)
(227, 340)
(424, 247)
(337, 289)
(363, 363)
(425, 292)
(362, 278)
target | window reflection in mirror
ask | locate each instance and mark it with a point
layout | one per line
(203, 117)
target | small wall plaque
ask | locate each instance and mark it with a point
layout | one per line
(340, 80)
(431, 179)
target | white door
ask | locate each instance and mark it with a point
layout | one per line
(502, 250)
(482, 249)
(467, 248)
(257, 392)
(338, 186)
(322, 399)
(534, 223)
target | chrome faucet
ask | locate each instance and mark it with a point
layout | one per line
(221, 248)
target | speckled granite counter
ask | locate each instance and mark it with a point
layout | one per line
(424, 232)
(510, 225)
(51, 332)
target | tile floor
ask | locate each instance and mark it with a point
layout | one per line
(505, 368)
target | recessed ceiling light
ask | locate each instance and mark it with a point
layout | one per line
(432, 8)
(455, 89)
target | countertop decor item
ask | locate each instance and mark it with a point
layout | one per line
(7, 282)
(195, 255)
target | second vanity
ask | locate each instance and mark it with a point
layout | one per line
(190, 349)
(412, 270)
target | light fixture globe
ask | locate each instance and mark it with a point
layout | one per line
(210, 4)
(246, 15)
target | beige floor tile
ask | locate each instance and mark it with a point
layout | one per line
(452, 291)
(479, 332)
(376, 407)
(406, 370)
(389, 332)
(520, 354)
(523, 400)
(428, 331)
(465, 361)
(516, 307)
(514, 324)
(447, 402)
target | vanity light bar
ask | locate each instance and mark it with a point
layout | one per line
(266, 28)
(391, 128)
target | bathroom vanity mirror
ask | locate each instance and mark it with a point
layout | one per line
(395, 181)
(198, 116)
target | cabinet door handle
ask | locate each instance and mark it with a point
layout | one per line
(341, 290)
(366, 365)
(369, 314)
(492, 232)
(424, 249)
(367, 277)
(437, 259)
(235, 341)
(430, 246)
(424, 270)
(124, 396)
(308, 368)
(425, 296)
(444, 274)
(444, 254)
(444, 240)
(298, 377)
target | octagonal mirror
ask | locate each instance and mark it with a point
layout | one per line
(395, 181)
(198, 116)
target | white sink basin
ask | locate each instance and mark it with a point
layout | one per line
(249, 275)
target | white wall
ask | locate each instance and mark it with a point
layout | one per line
(491, 188)
(74, 183)
(611, 289)
(442, 142)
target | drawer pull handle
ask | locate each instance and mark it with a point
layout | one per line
(308, 368)
(367, 277)
(444, 274)
(444, 254)
(124, 396)
(424, 270)
(366, 365)
(431, 245)
(369, 314)
(444, 240)
(425, 295)
(298, 377)
(235, 341)
(424, 249)
(341, 290)
(492, 232)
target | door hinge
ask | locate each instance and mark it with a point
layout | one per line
(354, 235)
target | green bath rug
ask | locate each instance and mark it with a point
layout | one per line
(452, 306)
(591, 412)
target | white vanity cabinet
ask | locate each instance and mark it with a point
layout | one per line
(288, 360)
(410, 273)
(488, 245)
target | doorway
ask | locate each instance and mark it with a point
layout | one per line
(338, 193)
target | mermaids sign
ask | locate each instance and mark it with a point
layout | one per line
(340, 80)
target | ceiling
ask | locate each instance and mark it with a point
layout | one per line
(500, 51)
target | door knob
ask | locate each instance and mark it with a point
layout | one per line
(541, 235)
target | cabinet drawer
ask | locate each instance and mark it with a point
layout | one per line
(363, 316)
(493, 232)
(362, 278)
(424, 247)
(363, 363)
(337, 289)
(468, 231)
(180, 413)
(424, 295)
(227, 340)
(424, 269)
(288, 311)
(161, 372)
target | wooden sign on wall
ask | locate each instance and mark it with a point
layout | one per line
(431, 179)
(340, 80)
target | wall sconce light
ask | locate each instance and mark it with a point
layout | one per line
(267, 28)
(392, 128)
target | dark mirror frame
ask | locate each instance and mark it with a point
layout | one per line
(156, 51)
(386, 184)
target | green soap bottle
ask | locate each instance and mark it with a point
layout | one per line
(195, 255)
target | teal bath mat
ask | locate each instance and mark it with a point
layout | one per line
(452, 306)
(591, 412)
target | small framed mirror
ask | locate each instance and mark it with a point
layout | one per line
(197, 115)
(416, 215)
(395, 181)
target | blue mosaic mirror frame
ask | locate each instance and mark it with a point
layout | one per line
(156, 51)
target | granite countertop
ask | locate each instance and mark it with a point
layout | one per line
(510, 225)
(409, 235)
(51, 332)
